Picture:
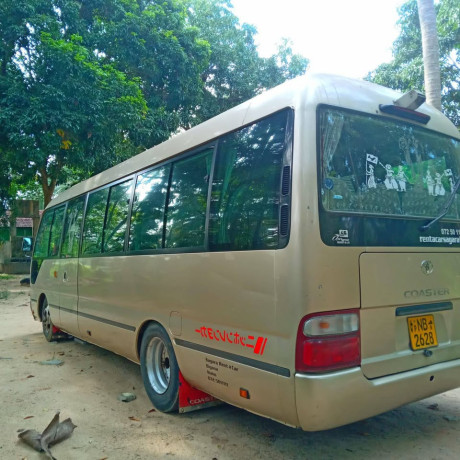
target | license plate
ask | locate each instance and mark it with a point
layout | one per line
(422, 332)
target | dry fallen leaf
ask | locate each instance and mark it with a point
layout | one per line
(55, 432)
(32, 438)
(29, 416)
(134, 419)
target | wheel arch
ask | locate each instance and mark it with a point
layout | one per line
(41, 301)
(141, 332)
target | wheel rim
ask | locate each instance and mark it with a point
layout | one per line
(158, 365)
(46, 320)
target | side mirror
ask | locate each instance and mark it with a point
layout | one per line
(27, 244)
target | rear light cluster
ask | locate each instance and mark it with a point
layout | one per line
(328, 341)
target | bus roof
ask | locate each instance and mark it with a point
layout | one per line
(303, 92)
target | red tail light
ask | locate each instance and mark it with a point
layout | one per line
(328, 341)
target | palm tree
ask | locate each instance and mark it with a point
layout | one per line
(430, 46)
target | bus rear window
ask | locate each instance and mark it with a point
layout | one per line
(376, 165)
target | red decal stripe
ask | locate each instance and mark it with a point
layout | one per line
(263, 348)
(258, 345)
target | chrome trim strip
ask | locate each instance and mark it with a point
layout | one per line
(99, 319)
(107, 321)
(425, 308)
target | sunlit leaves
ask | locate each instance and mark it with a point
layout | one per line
(405, 72)
(85, 85)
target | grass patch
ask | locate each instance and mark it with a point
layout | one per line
(4, 295)
(4, 276)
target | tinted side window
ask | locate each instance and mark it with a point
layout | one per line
(147, 217)
(246, 186)
(117, 217)
(72, 228)
(94, 222)
(42, 242)
(186, 211)
(56, 232)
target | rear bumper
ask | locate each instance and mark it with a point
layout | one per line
(339, 398)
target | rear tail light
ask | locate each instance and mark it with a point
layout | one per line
(328, 341)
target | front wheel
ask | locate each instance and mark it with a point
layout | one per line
(50, 331)
(159, 369)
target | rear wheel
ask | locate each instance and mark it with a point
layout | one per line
(159, 368)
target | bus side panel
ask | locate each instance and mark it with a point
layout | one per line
(225, 379)
(229, 337)
(105, 313)
(215, 306)
(48, 281)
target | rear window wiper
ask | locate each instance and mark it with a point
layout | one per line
(444, 209)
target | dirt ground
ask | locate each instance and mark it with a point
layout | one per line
(86, 386)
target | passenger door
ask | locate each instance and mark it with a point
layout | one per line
(69, 265)
(52, 267)
(103, 318)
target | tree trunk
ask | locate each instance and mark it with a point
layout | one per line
(430, 46)
(48, 189)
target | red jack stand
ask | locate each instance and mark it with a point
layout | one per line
(192, 399)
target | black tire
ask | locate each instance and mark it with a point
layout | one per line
(47, 324)
(159, 369)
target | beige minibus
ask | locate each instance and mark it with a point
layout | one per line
(297, 256)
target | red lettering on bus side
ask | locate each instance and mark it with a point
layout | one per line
(202, 331)
(250, 337)
(220, 335)
(233, 337)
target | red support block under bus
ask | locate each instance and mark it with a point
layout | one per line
(192, 399)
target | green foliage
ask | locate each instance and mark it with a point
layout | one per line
(405, 72)
(61, 104)
(153, 42)
(235, 72)
(85, 85)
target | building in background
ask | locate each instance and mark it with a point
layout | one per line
(17, 231)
